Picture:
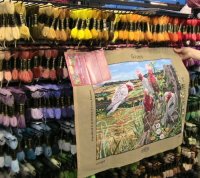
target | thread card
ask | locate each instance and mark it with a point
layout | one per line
(103, 65)
(77, 70)
(87, 68)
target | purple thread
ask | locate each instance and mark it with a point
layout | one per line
(64, 112)
(19, 95)
(50, 113)
(6, 97)
(21, 121)
(57, 113)
(44, 111)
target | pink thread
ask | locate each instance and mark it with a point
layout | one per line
(30, 75)
(25, 76)
(8, 75)
(65, 73)
(13, 121)
(41, 52)
(45, 73)
(54, 53)
(36, 113)
(52, 74)
(48, 53)
(15, 74)
(6, 120)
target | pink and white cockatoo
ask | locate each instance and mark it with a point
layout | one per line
(171, 113)
(152, 79)
(148, 101)
(145, 82)
(120, 96)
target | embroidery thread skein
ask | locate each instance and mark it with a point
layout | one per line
(2, 27)
(81, 31)
(2, 56)
(63, 35)
(21, 118)
(5, 116)
(99, 25)
(112, 27)
(115, 23)
(20, 98)
(34, 29)
(15, 72)
(155, 27)
(57, 27)
(52, 72)
(131, 32)
(59, 70)
(88, 34)
(105, 33)
(14, 28)
(12, 119)
(67, 29)
(65, 71)
(148, 33)
(23, 29)
(48, 54)
(36, 69)
(24, 74)
(52, 33)
(75, 16)
(48, 12)
(8, 7)
(94, 30)
(31, 53)
(7, 72)
(41, 21)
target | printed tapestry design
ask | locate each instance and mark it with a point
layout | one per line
(138, 106)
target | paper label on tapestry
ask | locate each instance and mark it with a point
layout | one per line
(139, 112)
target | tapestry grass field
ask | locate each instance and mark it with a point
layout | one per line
(133, 121)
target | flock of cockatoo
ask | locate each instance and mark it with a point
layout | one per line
(150, 87)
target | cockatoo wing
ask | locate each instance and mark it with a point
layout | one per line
(147, 85)
(119, 96)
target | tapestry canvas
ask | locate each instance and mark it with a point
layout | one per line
(135, 112)
(138, 106)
